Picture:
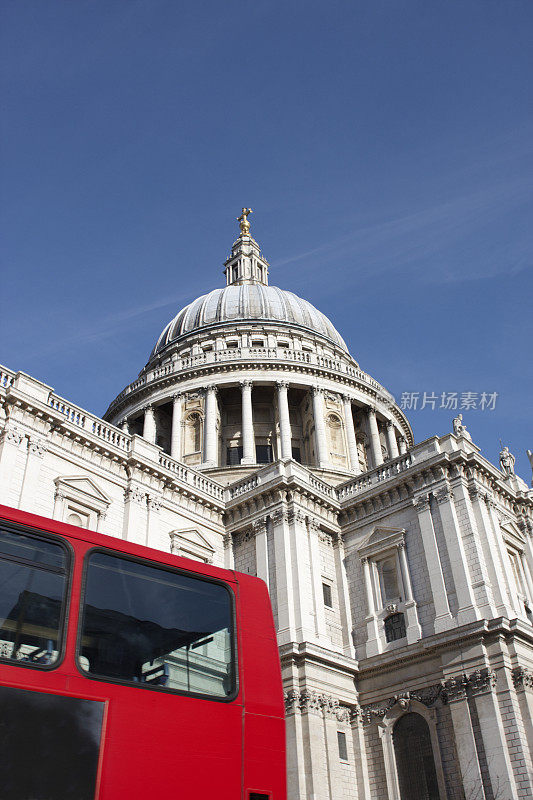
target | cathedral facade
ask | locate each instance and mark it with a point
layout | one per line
(400, 573)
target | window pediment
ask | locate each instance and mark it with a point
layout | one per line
(191, 544)
(381, 539)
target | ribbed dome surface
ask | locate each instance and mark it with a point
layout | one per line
(248, 303)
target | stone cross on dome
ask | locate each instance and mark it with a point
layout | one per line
(246, 263)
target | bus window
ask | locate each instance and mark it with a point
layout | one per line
(33, 577)
(150, 626)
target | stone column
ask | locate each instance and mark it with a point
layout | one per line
(350, 435)
(321, 634)
(392, 442)
(504, 605)
(320, 428)
(375, 442)
(261, 549)
(284, 583)
(373, 640)
(443, 617)
(37, 447)
(493, 732)
(344, 598)
(284, 420)
(135, 515)
(414, 631)
(248, 439)
(210, 428)
(455, 688)
(12, 440)
(152, 520)
(149, 429)
(467, 608)
(176, 431)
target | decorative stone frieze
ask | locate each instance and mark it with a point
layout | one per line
(310, 701)
(376, 711)
(443, 495)
(458, 687)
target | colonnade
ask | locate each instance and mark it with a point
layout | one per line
(395, 442)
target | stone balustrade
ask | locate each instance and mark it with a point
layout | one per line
(247, 354)
(373, 477)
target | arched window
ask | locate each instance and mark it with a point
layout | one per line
(394, 627)
(415, 764)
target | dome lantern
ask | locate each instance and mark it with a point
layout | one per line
(246, 264)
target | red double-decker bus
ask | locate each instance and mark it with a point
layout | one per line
(126, 672)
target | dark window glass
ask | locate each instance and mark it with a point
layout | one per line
(263, 454)
(395, 627)
(343, 750)
(326, 591)
(234, 456)
(414, 759)
(33, 581)
(151, 626)
(296, 454)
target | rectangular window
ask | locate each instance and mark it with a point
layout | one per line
(152, 626)
(343, 750)
(233, 456)
(258, 343)
(263, 454)
(34, 580)
(232, 345)
(326, 591)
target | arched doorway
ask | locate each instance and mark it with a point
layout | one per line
(415, 763)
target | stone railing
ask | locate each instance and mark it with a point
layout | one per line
(245, 354)
(374, 476)
(246, 485)
(6, 377)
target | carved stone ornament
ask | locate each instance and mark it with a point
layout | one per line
(421, 503)
(376, 711)
(38, 447)
(392, 608)
(522, 678)
(134, 495)
(279, 515)
(227, 540)
(309, 701)
(457, 687)
(295, 515)
(13, 435)
(154, 503)
(444, 495)
(260, 526)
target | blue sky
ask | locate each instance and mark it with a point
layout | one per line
(386, 148)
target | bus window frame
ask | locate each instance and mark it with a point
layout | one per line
(64, 619)
(167, 568)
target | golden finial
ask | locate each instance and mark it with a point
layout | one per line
(244, 225)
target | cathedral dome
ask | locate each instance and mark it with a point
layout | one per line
(245, 303)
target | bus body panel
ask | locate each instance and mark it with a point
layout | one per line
(185, 746)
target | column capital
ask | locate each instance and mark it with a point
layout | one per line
(347, 398)
(282, 384)
(245, 384)
(317, 390)
(178, 396)
(37, 446)
(421, 503)
(443, 495)
(389, 423)
(260, 526)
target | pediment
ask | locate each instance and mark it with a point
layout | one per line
(82, 487)
(190, 543)
(381, 538)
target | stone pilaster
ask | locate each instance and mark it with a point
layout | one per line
(176, 434)
(443, 617)
(320, 428)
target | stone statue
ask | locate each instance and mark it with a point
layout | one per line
(506, 461)
(243, 220)
(459, 428)
(530, 456)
